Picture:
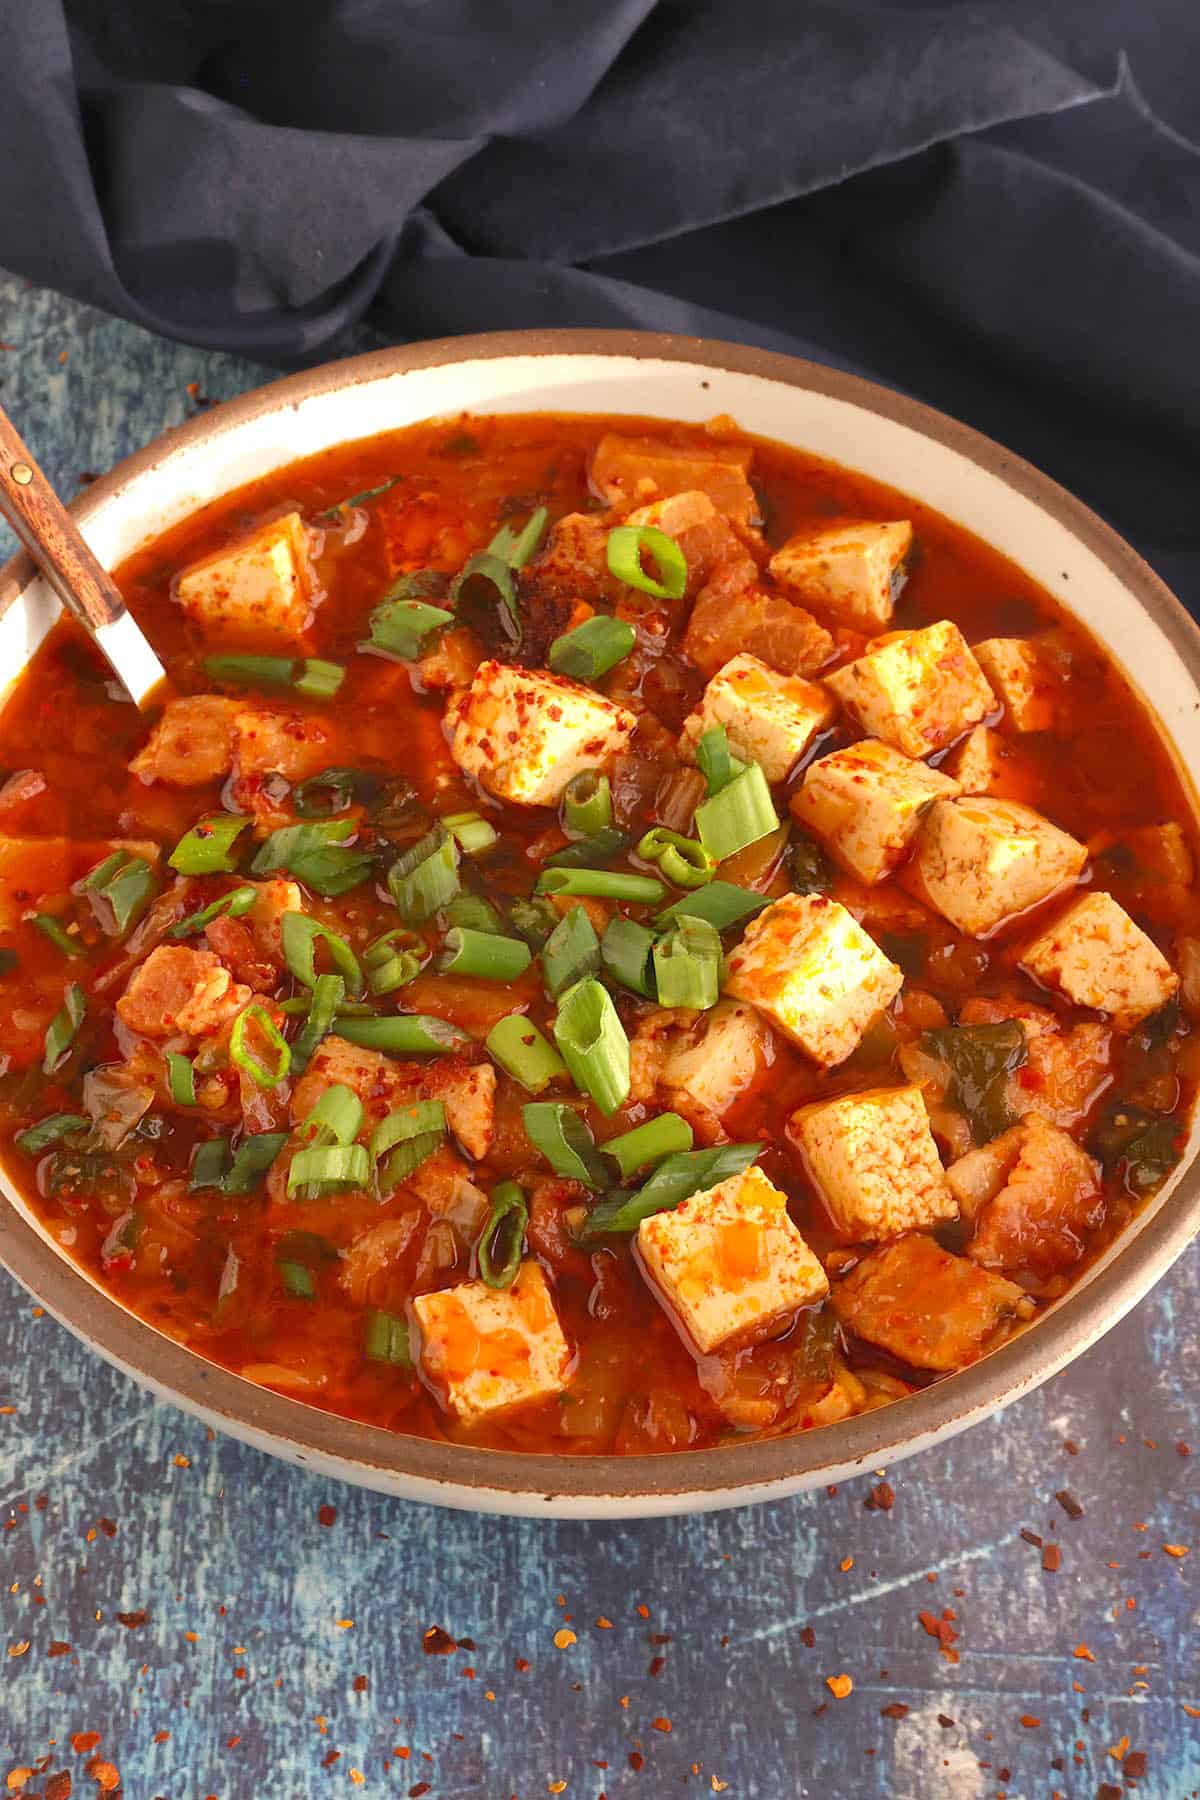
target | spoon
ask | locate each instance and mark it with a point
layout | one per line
(87, 591)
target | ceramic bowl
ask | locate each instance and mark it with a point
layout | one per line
(886, 436)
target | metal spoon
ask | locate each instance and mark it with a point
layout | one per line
(87, 591)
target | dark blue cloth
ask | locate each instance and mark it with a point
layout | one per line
(994, 207)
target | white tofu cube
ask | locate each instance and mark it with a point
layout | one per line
(980, 861)
(987, 763)
(918, 690)
(729, 1264)
(523, 734)
(1098, 957)
(769, 718)
(874, 1161)
(255, 591)
(854, 567)
(713, 1062)
(1023, 678)
(488, 1350)
(865, 804)
(810, 967)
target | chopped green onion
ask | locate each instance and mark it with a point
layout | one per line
(329, 1169)
(210, 1164)
(716, 761)
(681, 860)
(335, 1119)
(259, 1072)
(593, 1044)
(534, 920)
(592, 649)
(720, 902)
(484, 955)
(471, 832)
(589, 852)
(687, 964)
(524, 1053)
(405, 1034)
(252, 1159)
(393, 960)
(386, 1339)
(403, 628)
(657, 1139)
(207, 849)
(502, 1240)
(674, 1181)
(605, 884)
(516, 548)
(411, 1135)
(61, 1031)
(316, 855)
(570, 952)
(319, 680)
(181, 1078)
(626, 546)
(327, 995)
(486, 583)
(627, 952)
(587, 803)
(297, 1280)
(471, 912)
(121, 888)
(331, 513)
(332, 791)
(49, 927)
(739, 815)
(265, 671)
(237, 901)
(49, 1131)
(425, 878)
(564, 1140)
(299, 935)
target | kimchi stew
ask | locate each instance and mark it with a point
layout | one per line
(619, 937)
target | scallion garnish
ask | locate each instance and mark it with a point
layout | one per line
(404, 627)
(589, 852)
(333, 791)
(471, 912)
(715, 760)
(327, 995)
(405, 1139)
(485, 583)
(51, 928)
(653, 1142)
(405, 1034)
(627, 953)
(587, 803)
(471, 832)
(327, 1169)
(332, 513)
(720, 902)
(181, 1078)
(626, 546)
(316, 854)
(49, 1131)
(393, 960)
(516, 548)
(210, 1164)
(593, 1043)
(318, 679)
(687, 964)
(682, 860)
(570, 952)
(502, 1241)
(739, 815)
(335, 1119)
(262, 1074)
(675, 1180)
(207, 849)
(237, 901)
(524, 1053)
(484, 955)
(533, 920)
(300, 934)
(297, 1280)
(386, 1339)
(564, 1140)
(252, 1158)
(310, 676)
(120, 889)
(425, 878)
(62, 1029)
(593, 648)
(604, 884)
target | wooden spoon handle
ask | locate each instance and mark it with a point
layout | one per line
(51, 536)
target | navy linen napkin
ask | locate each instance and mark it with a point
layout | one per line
(995, 207)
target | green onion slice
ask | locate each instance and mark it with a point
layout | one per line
(240, 1053)
(593, 648)
(570, 952)
(627, 953)
(626, 546)
(329, 1169)
(405, 1034)
(210, 1164)
(667, 1135)
(335, 1119)
(327, 994)
(681, 860)
(604, 884)
(534, 920)
(300, 935)
(484, 955)
(471, 832)
(63, 1027)
(516, 548)
(485, 584)
(674, 1181)
(403, 628)
(332, 513)
(716, 761)
(120, 888)
(524, 1053)
(471, 912)
(237, 901)
(333, 791)
(207, 849)
(316, 854)
(252, 1159)
(49, 1131)
(406, 1138)
(393, 960)
(687, 964)
(720, 902)
(318, 679)
(425, 878)
(51, 928)
(593, 1044)
(386, 1339)
(587, 803)
(261, 671)
(589, 852)
(502, 1241)
(564, 1140)
(739, 815)
(181, 1079)
(297, 1280)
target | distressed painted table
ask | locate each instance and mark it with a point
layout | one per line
(191, 1619)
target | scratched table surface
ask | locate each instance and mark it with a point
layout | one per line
(186, 1618)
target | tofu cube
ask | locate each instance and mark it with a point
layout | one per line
(769, 718)
(729, 1264)
(854, 567)
(865, 804)
(874, 1161)
(523, 734)
(1098, 957)
(1023, 679)
(918, 690)
(921, 1303)
(711, 1063)
(632, 471)
(257, 591)
(489, 1350)
(808, 965)
(981, 861)
(987, 763)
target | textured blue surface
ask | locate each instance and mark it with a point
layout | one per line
(274, 1642)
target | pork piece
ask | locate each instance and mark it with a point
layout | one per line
(733, 614)
(294, 745)
(178, 991)
(703, 534)
(1035, 1197)
(275, 898)
(633, 471)
(192, 743)
(920, 1303)
(575, 559)
(1067, 1067)
(468, 1093)
(698, 1064)
(377, 1267)
(234, 944)
(380, 1083)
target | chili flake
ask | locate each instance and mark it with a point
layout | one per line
(839, 1686)
(563, 1639)
(1176, 1549)
(1082, 1652)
